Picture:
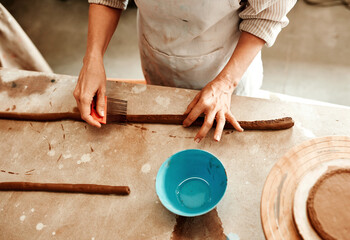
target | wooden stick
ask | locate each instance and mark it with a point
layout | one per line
(64, 187)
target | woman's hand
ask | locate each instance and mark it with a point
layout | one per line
(214, 100)
(91, 82)
(103, 21)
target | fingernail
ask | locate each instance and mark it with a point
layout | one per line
(102, 113)
(216, 138)
(197, 140)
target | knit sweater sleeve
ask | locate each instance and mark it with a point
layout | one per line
(266, 18)
(121, 4)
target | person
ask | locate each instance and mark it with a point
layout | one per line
(16, 49)
(213, 46)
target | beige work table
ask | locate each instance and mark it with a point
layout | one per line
(74, 152)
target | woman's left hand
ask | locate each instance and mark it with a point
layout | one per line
(214, 100)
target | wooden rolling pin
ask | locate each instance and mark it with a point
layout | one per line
(65, 187)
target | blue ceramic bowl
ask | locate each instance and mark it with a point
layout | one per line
(191, 182)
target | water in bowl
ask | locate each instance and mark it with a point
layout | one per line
(193, 192)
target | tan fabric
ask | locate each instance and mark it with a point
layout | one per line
(186, 43)
(265, 19)
(120, 4)
(262, 18)
(195, 39)
(16, 49)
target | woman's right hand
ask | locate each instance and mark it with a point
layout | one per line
(103, 21)
(91, 82)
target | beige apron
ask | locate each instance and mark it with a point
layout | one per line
(186, 43)
(16, 48)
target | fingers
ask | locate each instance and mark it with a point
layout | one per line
(231, 119)
(85, 111)
(194, 114)
(220, 124)
(91, 82)
(76, 93)
(192, 104)
(208, 123)
(84, 105)
(90, 120)
(76, 96)
(100, 103)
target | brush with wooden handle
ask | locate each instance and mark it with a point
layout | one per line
(117, 113)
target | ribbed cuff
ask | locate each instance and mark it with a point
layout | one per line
(265, 29)
(120, 4)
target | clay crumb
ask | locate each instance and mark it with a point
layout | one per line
(40, 226)
(59, 158)
(30, 170)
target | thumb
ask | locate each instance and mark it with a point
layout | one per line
(100, 103)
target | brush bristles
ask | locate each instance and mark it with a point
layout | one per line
(116, 110)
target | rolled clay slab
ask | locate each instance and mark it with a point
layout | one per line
(328, 205)
(300, 213)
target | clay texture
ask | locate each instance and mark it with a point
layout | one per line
(64, 187)
(207, 227)
(274, 124)
(328, 205)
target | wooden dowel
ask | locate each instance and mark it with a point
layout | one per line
(64, 187)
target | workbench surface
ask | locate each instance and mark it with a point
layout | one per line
(74, 152)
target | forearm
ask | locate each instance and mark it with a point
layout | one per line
(103, 21)
(247, 48)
